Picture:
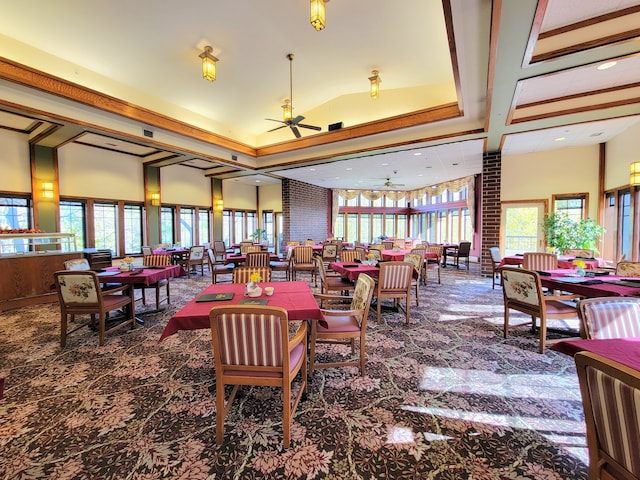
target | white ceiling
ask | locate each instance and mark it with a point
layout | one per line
(146, 53)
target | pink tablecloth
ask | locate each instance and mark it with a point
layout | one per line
(589, 286)
(622, 350)
(295, 297)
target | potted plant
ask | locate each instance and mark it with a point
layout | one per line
(561, 232)
(259, 235)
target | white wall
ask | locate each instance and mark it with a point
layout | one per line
(92, 172)
(238, 195)
(270, 198)
(16, 172)
(185, 186)
(544, 174)
(621, 152)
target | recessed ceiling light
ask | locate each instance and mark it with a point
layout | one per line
(258, 181)
(559, 139)
(417, 153)
(596, 134)
(419, 174)
(337, 178)
(606, 65)
(349, 168)
(384, 164)
(312, 169)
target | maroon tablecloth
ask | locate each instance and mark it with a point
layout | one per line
(622, 350)
(607, 288)
(147, 276)
(295, 297)
(352, 272)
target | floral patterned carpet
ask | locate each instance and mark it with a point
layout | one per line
(445, 397)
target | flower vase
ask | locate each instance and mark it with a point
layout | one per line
(253, 290)
(580, 272)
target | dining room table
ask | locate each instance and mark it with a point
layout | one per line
(352, 270)
(139, 275)
(397, 255)
(590, 286)
(295, 297)
(622, 350)
(446, 248)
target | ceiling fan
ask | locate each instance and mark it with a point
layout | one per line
(389, 183)
(292, 123)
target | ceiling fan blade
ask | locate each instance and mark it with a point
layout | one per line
(295, 131)
(274, 120)
(310, 127)
(299, 118)
(277, 128)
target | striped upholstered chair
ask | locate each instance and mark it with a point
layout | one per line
(394, 282)
(611, 402)
(609, 317)
(272, 359)
(539, 261)
(302, 261)
(155, 260)
(243, 274)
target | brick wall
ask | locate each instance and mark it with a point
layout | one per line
(305, 210)
(491, 171)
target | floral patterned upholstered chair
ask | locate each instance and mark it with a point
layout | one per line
(79, 294)
(579, 252)
(628, 269)
(344, 326)
(272, 359)
(522, 291)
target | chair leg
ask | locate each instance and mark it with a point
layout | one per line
(101, 327)
(543, 334)
(286, 414)
(63, 330)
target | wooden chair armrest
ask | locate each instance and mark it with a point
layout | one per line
(341, 313)
(299, 337)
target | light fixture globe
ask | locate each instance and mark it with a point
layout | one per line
(634, 174)
(317, 14)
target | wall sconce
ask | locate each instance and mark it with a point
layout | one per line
(47, 190)
(208, 64)
(155, 199)
(634, 174)
(219, 205)
(317, 15)
(375, 80)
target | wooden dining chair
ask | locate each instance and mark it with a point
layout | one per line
(302, 261)
(539, 261)
(271, 359)
(628, 269)
(387, 245)
(610, 395)
(417, 260)
(79, 293)
(609, 317)
(433, 264)
(77, 264)
(361, 252)
(257, 259)
(349, 256)
(394, 282)
(246, 246)
(329, 253)
(332, 282)
(154, 260)
(579, 252)
(344, 327)
(217, 262)
(146, 250)
(522, 291)
(462, 252)
(496, 260)
(242, 274)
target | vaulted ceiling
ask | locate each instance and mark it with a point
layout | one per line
(459, 78)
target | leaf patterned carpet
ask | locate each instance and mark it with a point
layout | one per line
(445, 397)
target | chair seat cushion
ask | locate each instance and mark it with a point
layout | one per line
(555, 307)
(113, 301)
(339, 324)
(339, 282)
(295, 357)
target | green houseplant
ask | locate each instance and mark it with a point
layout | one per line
(259, 235)
(561, 232)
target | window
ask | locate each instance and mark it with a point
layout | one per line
(339, 227)
(15, 212)
(267, 225)
(626, 224)
(106, 226)
(166, 225)
(203, 226)
(132, 229)
(73, 220)
(187, 224)
(575, 206)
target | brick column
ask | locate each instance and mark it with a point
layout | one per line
(304, 210)
(491, 173)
